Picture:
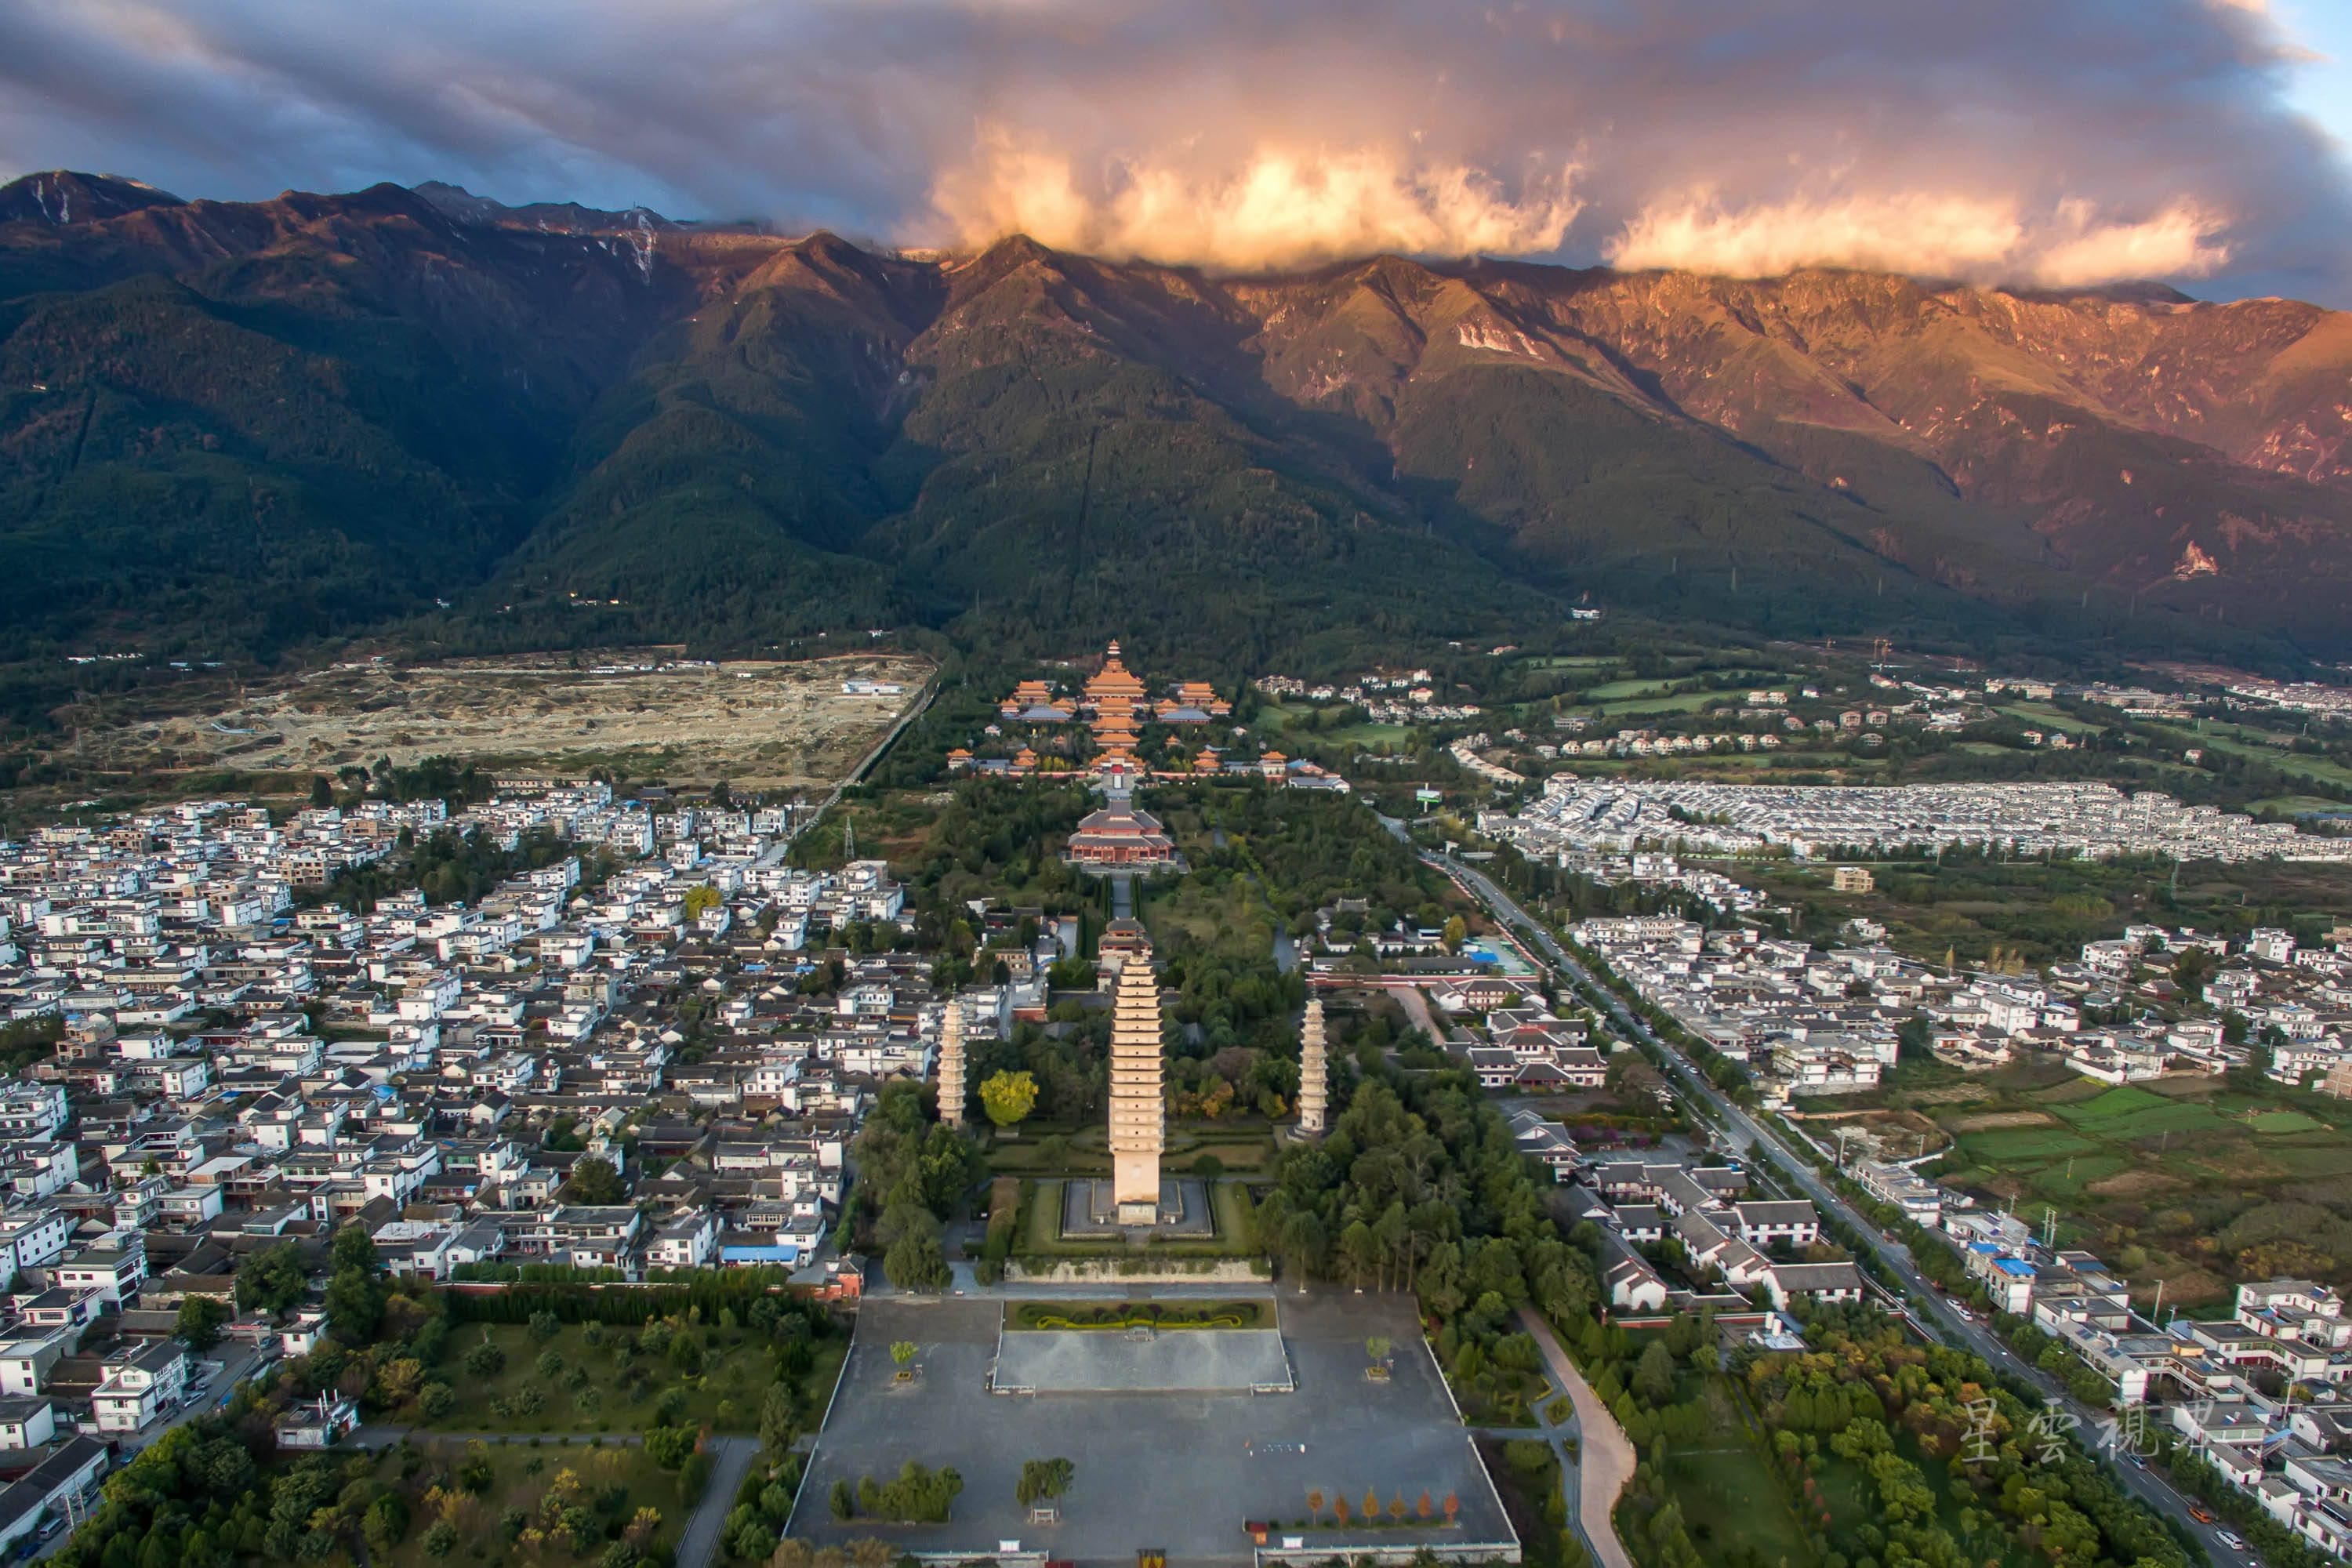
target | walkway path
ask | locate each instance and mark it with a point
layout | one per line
(731, 1459)
(1606, 1456)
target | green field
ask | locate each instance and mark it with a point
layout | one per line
(1687, 703)
(613, 1386)
(2129, 1114)
(2019, 1143)
(2277, 1121)
(1611, 690)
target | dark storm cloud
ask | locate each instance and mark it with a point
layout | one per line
(2052, 141)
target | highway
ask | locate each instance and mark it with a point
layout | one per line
(1894, 1257)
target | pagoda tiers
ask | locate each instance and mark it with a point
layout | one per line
(1115, 726)
(1138, 1112)
(1113, 683)
(1314, 1070)
(951, 1083)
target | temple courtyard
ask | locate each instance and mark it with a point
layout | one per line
(1171, 1452)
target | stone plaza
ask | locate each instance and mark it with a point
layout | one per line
(1157, 1465)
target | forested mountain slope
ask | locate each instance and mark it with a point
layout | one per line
(229, 428)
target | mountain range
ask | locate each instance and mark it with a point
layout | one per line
(234, 428)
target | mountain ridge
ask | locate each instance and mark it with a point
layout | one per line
(742, 435)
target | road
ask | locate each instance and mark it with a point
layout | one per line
(208, 1394)
(1605, 1457)
(2150, 1488)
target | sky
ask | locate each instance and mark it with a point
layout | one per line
(2047, 142)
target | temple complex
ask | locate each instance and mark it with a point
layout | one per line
(1138, 1111)
(952, 1088)
(1115, 706)
(1120, 835)
(1313, 1071)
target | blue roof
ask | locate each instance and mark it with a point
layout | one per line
(753, 1253)
(2014, 1266)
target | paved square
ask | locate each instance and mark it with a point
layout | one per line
(1177, 1471)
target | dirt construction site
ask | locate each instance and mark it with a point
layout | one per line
(766, 724)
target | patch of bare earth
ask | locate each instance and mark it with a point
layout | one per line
(2135, 1185)
(761, 723)
(1989, 1119)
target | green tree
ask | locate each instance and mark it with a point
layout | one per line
(669, 1446)
(273, 1279)
(1008, 1097)
(1458, 931)
(354, 1304)
(779, 1421)
(484, 1361)
(903, 1352)
(916, 1261)
(200, 1320)
(1042, 1480)
(1653, 1375)
(385, 1522)
(354, 1249)
(595, 1181)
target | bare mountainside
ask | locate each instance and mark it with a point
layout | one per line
(239, 426)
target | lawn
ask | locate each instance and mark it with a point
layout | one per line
(1730, 1500)
(613, 1386)
(612, 1481)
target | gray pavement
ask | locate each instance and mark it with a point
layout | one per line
(1180, 1471)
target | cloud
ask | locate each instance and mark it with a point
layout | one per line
(1278, 208)
(2061, 141)
(1988, 240)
